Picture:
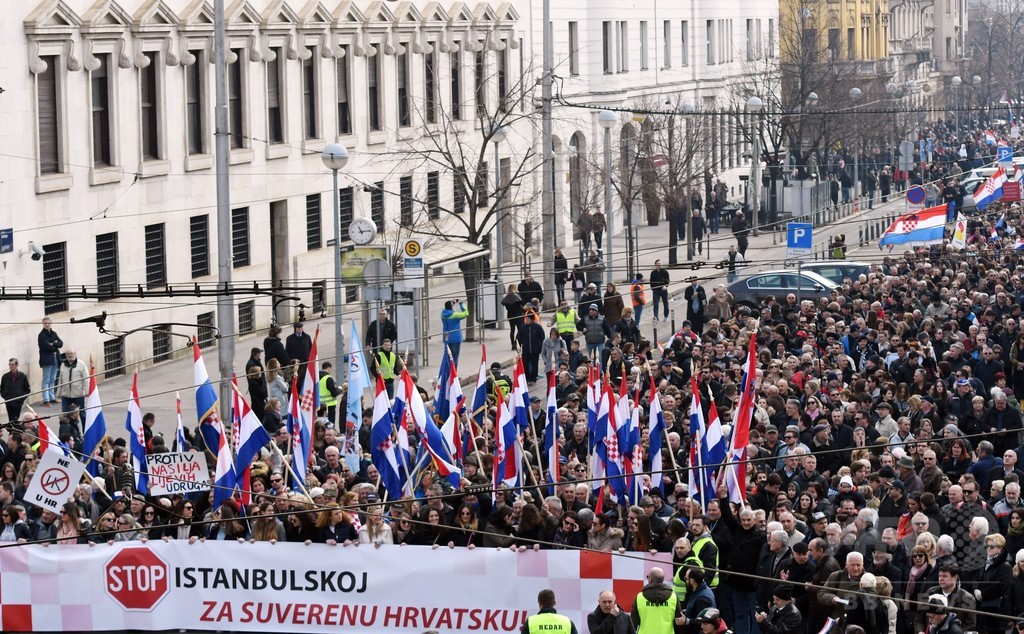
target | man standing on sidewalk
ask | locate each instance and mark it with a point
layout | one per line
(740, 232)
(639, 298)
(659, 288)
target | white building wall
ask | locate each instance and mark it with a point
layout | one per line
(85, 200)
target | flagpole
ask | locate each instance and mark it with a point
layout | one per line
(288, 466)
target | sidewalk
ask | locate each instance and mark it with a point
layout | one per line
(158, 383)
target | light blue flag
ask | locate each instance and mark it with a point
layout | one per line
(358, 380)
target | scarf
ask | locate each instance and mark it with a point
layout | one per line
(1016, 532)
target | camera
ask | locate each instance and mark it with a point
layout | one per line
(37, 251)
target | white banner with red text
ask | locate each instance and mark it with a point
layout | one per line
(228, 586)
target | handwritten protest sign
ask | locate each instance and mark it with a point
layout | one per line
(171, 473)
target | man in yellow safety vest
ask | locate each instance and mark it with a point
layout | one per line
(547, 620)
(388, 365)
(656, 610)
(565, 322)
(329, 391)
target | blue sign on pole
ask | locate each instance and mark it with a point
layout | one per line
(921, 150)
(6, 240)
(1004, 155)
(929, 145)
(799, 237)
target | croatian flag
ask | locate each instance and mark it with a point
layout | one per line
(699, 485)
(714, 441)
(479, 404)
(1019, 244)
(520, 401)
(442, 401)
(382, 448)
(179, 430)
(990, 137)
(207, 401)
(432, 439)
(736, 469)
(926, 226)
(46, 438)
(457, 405)
(551, 432)
(224, 480)
(506, 454)
(597, 426)
(310, 401)
(137, 438)
(991, 190)
(635, 455)
(252, 437)
(95, 425)
(656, 428)
(608, 451)
(243, 475)
(994, 235)
(297, 431)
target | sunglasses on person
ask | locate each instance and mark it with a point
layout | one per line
(917, 556)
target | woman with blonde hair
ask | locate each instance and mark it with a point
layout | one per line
(265, 526)
(375, 531)
(883, 588)
(276, 386)
(921, 566)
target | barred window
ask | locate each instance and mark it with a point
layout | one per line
(240, 237)
(247, 317)
(161, 343)
(199, 238)
(106, 263)
(156, 257)
(314, 228)
(205, 335)
(113, 357)
(55, 277)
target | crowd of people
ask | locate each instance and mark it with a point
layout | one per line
(884, 487)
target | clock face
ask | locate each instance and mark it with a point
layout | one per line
(362, 231)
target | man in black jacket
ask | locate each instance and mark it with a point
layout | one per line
(14, 388)
(298, 345)
(783, 618)
(388, 330)
(531, 339)
(273, 348)
(608, 617)
(530, 289)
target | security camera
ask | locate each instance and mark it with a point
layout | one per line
(37, 252)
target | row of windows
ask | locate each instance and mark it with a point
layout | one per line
(108, 267)
(449, 68)
(617, 52)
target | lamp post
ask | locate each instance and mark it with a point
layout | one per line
(497, 136)
(335, 157)
(754, 106)
(955, 83)
(975, 84)
(855, 94)
(607, 120)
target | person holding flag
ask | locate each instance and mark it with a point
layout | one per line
(382, 447)
(95, 426)
(137, 439)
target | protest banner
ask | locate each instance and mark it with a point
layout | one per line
(227, 586)
(171, 473)
(55, 480)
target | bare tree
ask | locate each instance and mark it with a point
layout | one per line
(995, 38)
(458, 139)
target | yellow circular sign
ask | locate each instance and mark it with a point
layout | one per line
(412, 248)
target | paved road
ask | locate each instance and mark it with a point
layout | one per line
(157, 384)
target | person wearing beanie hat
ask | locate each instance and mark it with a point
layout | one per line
(783, 618)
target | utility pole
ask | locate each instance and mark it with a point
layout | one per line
(548, 156)
(225, 303)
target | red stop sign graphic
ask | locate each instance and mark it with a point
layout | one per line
(136, 578)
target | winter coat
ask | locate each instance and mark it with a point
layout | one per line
(595, 329)
(72, 380)
(959, 599)
(613, 306)
(49, 347)
(531, 338)
(610, 539)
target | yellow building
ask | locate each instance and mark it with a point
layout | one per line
(843, 30)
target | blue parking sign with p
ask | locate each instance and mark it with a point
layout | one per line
(799, 236)
(1004, 154)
